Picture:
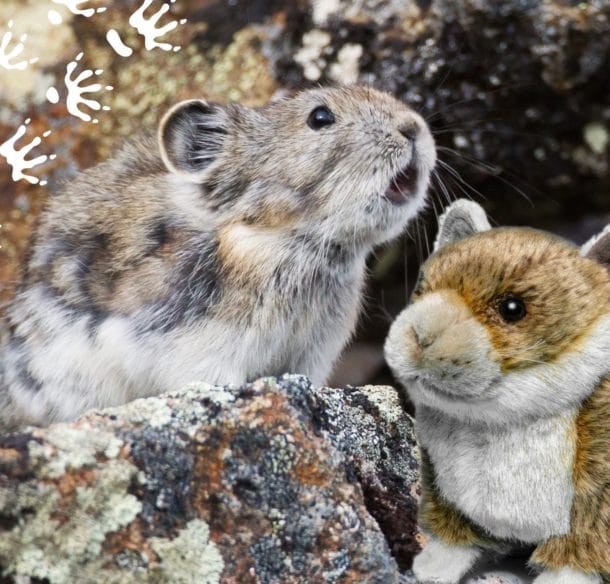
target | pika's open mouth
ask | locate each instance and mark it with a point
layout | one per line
(402, 185)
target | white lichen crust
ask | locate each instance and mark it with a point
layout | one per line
(213, 484)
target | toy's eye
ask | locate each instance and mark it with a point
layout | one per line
(512, 309)
(320, 117)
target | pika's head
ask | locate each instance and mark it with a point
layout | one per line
(504, 323)
(351, 164)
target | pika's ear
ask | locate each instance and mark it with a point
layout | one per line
(461, 219)
(192, 134)
(598, 248)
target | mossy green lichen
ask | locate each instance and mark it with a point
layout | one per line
(75, 448)
(189, 557)
(60, 537)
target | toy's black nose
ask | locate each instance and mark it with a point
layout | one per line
(409, 131)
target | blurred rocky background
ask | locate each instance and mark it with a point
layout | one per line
(516, 91)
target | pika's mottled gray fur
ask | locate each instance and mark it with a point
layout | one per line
(233, 245)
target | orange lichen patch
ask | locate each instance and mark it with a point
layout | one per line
(277, 419)
(133, 538)
(66, 485)
(311, 472)
(68, 482)
(9, 456)
(208, 470)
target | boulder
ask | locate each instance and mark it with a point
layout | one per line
(275, 481)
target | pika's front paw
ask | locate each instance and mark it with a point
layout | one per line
(440, 563)
(567, 576)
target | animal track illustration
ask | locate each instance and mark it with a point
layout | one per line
(78, 94)
(74, 6)
(7, 55)
(16, 157)
(76, 91)
(148, 28)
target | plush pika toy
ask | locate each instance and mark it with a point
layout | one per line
(505, 351)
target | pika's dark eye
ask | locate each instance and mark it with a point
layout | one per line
(320, 117)
(512, 309)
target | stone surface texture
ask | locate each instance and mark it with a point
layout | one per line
(272, 482)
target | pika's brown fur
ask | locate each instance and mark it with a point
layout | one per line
(232, 245)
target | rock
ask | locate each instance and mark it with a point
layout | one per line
(368, 424)
(272, 482)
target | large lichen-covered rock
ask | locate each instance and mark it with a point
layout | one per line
(272, 482)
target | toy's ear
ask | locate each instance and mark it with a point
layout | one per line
(191, 136)
(461, 219)
(598, 248)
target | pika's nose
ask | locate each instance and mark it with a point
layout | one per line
(409, 131)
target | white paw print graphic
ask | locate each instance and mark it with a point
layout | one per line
(79, 101)
(76, 91)
(7, 55)
(16, 157)
(148, 28)
(74, 6)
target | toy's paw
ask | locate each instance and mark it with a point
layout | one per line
(567, 576)
(440, 563)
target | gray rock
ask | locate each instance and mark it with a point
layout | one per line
(271, 482)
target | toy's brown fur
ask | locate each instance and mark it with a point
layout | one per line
(531, 394)
(564, 293)
(440, 517)
(588, 545)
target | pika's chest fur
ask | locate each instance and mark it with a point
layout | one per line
(515, 482)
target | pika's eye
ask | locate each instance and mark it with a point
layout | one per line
(320, 117)
(512, 309)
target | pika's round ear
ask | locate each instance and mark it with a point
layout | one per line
(461, 219)
(598, 248)
(192, 135)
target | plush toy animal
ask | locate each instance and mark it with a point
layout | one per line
(505, 351)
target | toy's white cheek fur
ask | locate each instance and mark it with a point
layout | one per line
(437, 345)
(477, 391)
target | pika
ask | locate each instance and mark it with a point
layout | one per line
(229, 246)
(505, 351)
